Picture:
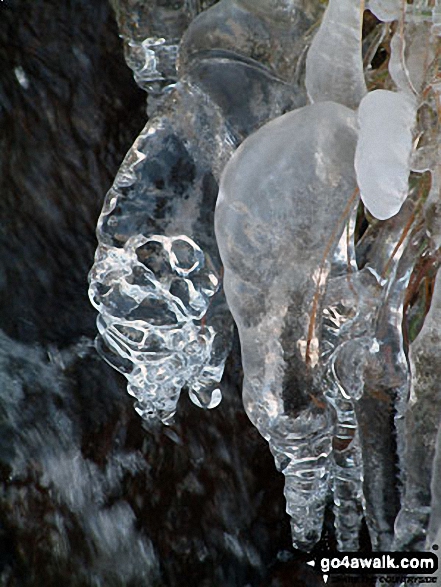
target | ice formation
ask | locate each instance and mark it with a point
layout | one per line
(381, 406)
(152, 281)
(151, 33)
(420, 434)
(322, 314)
(152, 295)
(275, 226)
(156, 281)
(382, 158)
(328, 76)
(386, 10)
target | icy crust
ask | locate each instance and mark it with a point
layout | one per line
(328, 76)
(276, 231)
(382, 158)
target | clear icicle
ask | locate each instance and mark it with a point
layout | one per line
(382, 158)
(385, 390)
(276, 258)
(328, 76)
(411, 55)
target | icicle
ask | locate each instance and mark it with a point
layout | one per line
(156, 275)
(277, 226)
(382, 158)
(328, 75)
(411, 55)
(385, 390)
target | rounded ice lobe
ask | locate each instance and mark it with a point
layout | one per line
(382, 157)
(385, 10)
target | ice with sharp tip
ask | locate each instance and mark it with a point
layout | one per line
(275, 227)
(328, 76)
(382, 157)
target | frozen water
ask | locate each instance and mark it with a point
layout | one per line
(328, 76)
(276, 261)
(156, 280)
(382, 158)
(151, 33)
(325, 364)
(270, 33)
(422, 422)
(152, 281)
(149, 320)
(386, 10)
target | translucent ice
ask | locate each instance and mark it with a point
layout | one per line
(423, 417)
(340, 309)
(151, 33)
(152, 294)
(272, 33)
(277, 226)
(328, 76)
(411, 56)
(156, 271)
(366, 376)
(386, 10)
(156, 280)
(382, 158)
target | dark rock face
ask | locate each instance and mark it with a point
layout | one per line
(89, 498)
(68, 112)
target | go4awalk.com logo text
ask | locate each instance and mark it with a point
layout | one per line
(379, 563)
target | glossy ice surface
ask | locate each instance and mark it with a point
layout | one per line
(329, 296)
(275, 228)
